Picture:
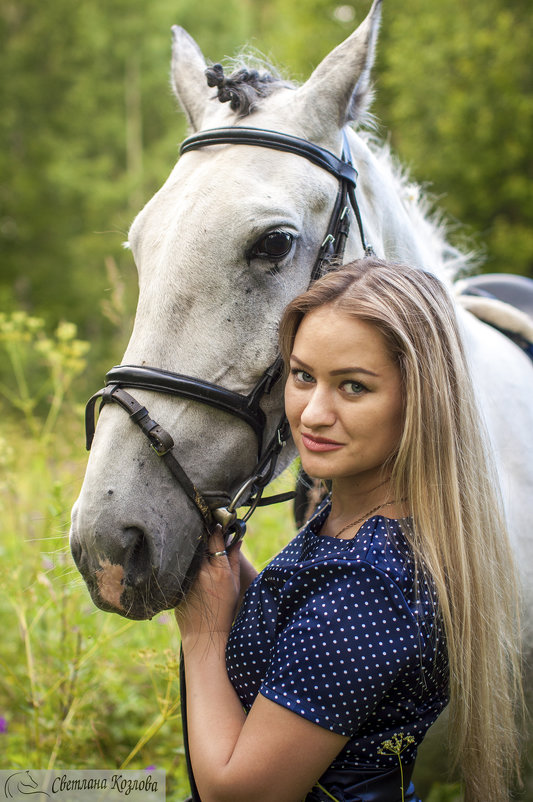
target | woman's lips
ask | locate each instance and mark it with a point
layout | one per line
(319, 443)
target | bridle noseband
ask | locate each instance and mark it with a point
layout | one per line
(245, 407)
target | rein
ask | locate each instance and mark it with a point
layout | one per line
(245, 407)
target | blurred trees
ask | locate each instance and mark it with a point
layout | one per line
(80, 106)
(89, 129)
(456, 89)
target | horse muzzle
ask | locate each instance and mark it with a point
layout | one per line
(129, 571)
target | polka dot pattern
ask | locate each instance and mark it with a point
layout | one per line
(339, 632)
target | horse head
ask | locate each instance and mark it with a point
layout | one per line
(221, 248)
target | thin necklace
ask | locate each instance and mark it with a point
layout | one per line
(369, 513)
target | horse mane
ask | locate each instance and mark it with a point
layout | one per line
(246, 86)
(435, 229)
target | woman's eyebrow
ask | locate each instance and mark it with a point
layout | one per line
(341, 371)
(338, 371)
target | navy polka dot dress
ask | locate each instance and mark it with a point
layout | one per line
(339, 632)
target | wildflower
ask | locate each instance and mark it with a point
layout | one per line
(395, 746)
(66, 331)
(326, 792)
(3, 725)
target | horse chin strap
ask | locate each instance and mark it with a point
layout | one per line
(245, 407)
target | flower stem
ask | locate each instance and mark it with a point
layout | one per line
(325, 791)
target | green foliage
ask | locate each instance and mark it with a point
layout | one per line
(40, 369)
(89, 129)
(65, 701)
(456, 90)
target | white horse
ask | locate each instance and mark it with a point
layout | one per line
(227, 241)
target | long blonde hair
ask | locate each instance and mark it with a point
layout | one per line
(444, 468)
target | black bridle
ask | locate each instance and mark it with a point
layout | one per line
(245, 407)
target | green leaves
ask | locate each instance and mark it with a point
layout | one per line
(455, 90)
(39, 371)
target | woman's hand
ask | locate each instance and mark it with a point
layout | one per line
(211, 603)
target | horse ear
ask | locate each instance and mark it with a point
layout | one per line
(339, 89)
(188, 76)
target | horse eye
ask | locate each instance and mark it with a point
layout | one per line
(274, 246)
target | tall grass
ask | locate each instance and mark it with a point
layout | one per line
(78, 688)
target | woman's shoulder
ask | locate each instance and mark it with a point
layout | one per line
(379, 551)
(380, 548)
(380, 542)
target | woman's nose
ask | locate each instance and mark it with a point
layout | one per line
(319, 410)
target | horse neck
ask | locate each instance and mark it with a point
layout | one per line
(396, 215)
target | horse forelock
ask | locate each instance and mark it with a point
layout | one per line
(251, 80)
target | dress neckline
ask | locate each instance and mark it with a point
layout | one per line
(363, 524)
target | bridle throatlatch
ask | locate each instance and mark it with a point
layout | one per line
(246, 407)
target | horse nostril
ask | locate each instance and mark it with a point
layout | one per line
(138, 562)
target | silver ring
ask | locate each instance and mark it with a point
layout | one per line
(217, 553)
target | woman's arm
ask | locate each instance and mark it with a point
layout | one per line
(271, 755)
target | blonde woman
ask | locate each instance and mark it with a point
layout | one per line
(397, 596)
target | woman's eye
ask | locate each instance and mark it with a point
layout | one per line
(353, 388)
(274, 246)
(302, 376)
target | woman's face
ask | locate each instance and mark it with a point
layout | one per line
(343, 398)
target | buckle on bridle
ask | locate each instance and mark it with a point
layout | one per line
(159, 448)
(227, 516)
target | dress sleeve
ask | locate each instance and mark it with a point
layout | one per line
(344, 635)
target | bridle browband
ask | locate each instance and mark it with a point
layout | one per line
(337, 233)
(245, 407)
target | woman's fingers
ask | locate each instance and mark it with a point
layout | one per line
(216, 551)
(215, 593)
(215, 546)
